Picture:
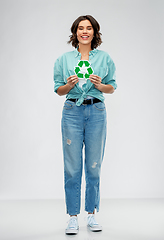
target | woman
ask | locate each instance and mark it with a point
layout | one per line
(83, 75)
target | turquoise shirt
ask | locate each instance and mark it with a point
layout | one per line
(102, 65)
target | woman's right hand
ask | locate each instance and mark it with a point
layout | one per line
(72, 80)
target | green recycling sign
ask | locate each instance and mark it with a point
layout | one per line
(83, 69)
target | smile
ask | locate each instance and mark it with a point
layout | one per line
(85, 37)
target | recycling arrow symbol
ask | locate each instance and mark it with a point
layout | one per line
(83, 69)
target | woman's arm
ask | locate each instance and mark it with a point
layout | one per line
(62, 90)
(105, 88)
(71, 81)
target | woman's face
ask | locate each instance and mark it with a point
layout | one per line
(85, 32)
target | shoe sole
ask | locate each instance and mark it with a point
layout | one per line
(71, 232)
(93, 229)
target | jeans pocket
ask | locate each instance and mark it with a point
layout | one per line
(99, 106)
(68, 104)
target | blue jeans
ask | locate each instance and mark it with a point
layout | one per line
(83, 125)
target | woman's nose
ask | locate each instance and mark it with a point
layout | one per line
(84, 30)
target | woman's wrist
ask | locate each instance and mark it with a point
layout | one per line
(99, 87)
(69, 86)
(106, 88)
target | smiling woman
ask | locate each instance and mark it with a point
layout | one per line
(92, 25)
(84, 75)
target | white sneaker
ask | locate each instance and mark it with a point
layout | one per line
(92, 224)
(73, 226)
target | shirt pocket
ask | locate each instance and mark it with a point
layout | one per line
(102, 72)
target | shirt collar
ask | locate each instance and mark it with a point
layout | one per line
(77, 53)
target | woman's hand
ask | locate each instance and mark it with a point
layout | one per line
(96, 80)
(72, 80)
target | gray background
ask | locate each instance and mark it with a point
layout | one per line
(33, 34)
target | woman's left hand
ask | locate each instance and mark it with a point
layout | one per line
(96, 80)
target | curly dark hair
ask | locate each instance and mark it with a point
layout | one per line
(96, 41)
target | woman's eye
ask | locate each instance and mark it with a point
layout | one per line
(89, 28)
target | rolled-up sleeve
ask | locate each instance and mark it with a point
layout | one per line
(58, 75)
(111, 76)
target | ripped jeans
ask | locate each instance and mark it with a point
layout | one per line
(83, 125)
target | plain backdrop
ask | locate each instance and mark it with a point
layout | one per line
(33, 34)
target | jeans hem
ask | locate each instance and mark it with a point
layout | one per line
(73, 214)
(87, 210)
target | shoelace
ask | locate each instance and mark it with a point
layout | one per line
(92, 220)
(72, 223)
